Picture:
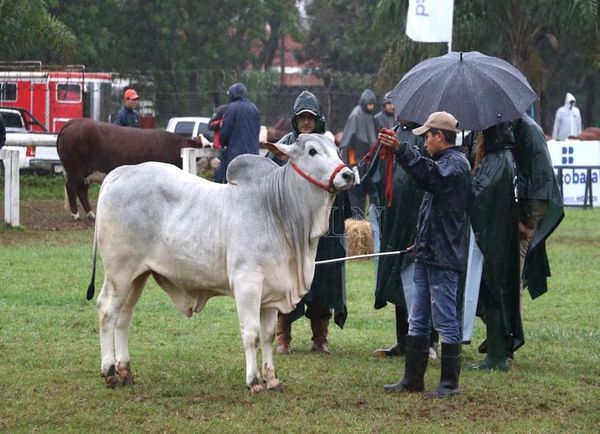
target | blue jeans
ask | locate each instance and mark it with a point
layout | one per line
(435, 302)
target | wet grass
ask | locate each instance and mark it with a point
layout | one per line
(190, 372)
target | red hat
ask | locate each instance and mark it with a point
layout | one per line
(131, 94)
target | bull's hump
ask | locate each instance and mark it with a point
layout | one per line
(249, 169)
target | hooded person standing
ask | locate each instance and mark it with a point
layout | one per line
(328, 288)
(241, 126)
(495, 217)
(359, 135)
(567, 121)
(385, 118)
(540, 203)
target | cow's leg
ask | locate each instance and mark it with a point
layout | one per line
(247, 288)
(122, 332)
(72, 197)
(82, 193)
(110, 301)
(268, 321)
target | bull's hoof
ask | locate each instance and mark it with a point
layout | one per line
(111, 378)
(257, 389)
(275, 386)
(125, 376)
(75, 216)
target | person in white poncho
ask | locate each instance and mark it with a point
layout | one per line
(567, 121)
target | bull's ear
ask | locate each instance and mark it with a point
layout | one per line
(280, 150)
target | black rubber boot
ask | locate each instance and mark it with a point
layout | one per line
(496, 344)
(451, 360)
(399, 348)
(417, 352)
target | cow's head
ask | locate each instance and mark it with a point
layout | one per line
(316, 158)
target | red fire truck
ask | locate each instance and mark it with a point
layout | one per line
(55, 94)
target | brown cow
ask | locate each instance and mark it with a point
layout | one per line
(590, 133)
(90, 149)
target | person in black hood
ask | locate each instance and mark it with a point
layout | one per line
(328, 288)
(241, 126)
(359, 135)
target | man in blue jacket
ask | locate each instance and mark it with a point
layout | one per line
(128, 116)
(241, 125)
(441, 249)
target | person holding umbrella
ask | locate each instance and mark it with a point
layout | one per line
(441, 249)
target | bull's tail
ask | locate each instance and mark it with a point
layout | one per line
(90, 290)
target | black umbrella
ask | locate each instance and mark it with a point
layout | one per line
(479, 90)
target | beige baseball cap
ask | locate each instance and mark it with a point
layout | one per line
(439, 121)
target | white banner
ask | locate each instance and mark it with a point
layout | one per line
(430, 20)
(579, 154)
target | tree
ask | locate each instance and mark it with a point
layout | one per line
(343, 36)
(28, 31)
(555, 43)
(283, 19)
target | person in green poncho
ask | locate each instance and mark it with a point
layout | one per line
(494, 216)
(328, 289)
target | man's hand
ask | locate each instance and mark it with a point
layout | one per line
(388, 138)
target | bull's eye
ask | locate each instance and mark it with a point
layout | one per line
(312, 152)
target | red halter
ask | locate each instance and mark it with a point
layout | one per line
(328, 187)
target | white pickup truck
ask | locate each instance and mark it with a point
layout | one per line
(37, 150)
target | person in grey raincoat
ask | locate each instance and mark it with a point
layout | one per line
(385, 118)
(358, 137)
(328, 288)
(239, 133)
(494, 216)
(567, 121)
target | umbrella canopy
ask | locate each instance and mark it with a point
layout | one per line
(479, 90)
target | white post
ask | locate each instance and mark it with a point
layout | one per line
(188, 156)
(11, 186)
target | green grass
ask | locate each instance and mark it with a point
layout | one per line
(190, 372)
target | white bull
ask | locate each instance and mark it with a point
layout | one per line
(254, 238)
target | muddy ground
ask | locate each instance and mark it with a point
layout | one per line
(48, 215)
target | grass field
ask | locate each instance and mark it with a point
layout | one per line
(190, 372)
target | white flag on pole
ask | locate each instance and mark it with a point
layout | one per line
(430, 20)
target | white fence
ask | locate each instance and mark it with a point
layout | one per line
(11, 176)
(11, 186)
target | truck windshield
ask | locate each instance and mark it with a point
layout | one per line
(185, 129)
(12, 120)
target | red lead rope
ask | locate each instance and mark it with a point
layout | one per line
(387, 155)
(328, 187)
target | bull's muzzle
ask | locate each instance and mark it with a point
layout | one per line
(343, 180)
